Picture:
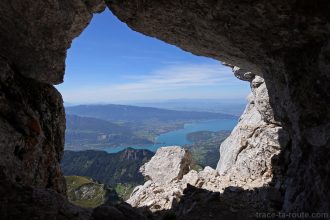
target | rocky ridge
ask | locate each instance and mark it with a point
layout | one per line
(167, 183)
(249, 153)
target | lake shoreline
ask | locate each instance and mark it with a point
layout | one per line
(179, 137)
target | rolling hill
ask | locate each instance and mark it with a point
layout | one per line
(83, 133)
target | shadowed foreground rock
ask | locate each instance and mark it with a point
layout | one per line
(36, 34)
(32, 124)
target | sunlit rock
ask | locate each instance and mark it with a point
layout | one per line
(168, 164)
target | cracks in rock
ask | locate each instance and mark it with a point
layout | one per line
(246, 144)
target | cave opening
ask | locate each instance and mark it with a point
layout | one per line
(128, 94)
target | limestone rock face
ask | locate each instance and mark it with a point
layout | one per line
(169, 179)
(163, 195)
(248, 152)
(168, 164)
(165, 171)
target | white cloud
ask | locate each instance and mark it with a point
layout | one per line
(174, 81)
(179, 76)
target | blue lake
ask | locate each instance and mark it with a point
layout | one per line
(178, 137)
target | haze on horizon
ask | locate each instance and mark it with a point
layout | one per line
(110, 63)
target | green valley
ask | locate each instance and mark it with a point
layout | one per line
(118, 173)
(205, 147)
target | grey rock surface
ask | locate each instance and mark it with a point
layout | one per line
(164, 171)
(32, 124)
(248, 153)
(36, 34)
(161, 195)
(168, 164)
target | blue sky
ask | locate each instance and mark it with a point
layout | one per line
(110, 63)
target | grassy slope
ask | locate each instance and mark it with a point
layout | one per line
(205, 147)
(124, 190)
(74, 186)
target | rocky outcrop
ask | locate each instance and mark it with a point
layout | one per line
(175, 160)
(246, 155)
(163, 192)
(167, 166)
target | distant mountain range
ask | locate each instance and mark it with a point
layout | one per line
(99, 126)
(129, 113)
(225, 106)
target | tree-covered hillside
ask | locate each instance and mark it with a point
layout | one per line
(205, 146)
(111, 169)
